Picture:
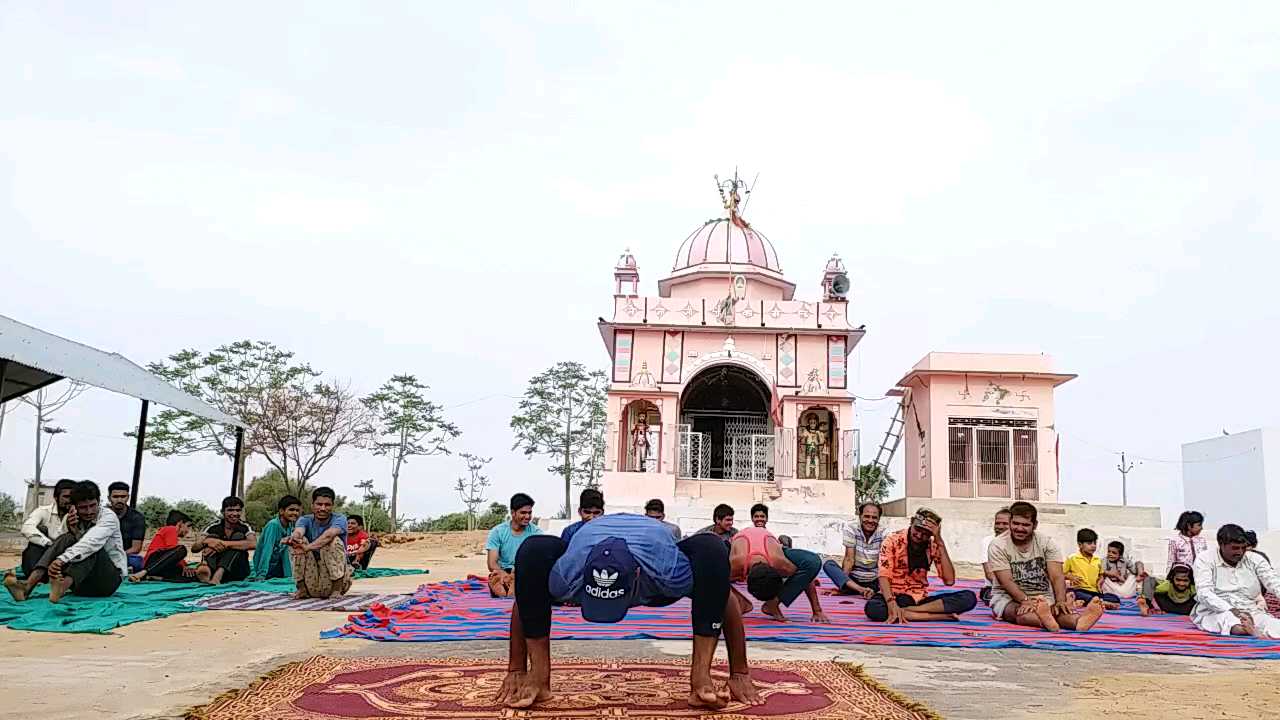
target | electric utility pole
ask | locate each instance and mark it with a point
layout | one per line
(1124, 479)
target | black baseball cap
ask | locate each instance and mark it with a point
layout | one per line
(608, 583)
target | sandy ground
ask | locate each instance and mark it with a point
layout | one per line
(160, 668)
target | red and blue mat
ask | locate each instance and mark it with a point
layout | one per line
(463, 610)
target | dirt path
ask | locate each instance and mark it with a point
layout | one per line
(162, 667)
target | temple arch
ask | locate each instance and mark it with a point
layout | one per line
(726, 432)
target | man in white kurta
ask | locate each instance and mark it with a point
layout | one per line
(1229, 586)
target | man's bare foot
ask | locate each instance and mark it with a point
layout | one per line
(14, 587)
(1045, 613)
(950, 617)
(1111, 606)
(203, 573)
(744, 690)
(773, 609)
(58, 587)
(528, 693)
(1092, 612)
(706, 695)
(509, 685)
(1143, 608)
(138, 576)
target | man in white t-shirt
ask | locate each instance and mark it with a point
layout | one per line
(999, 526)
(1030, 588)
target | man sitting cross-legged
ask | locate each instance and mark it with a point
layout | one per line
(226, 546)
(91, 564)
(271, 557)
(658, 511)
(999, 526)
(504, 541)
(905, 558)
(319, 543)
(1229, 586)
(722, 527)
(859, 570)
(775, 575)
(614, 563)
(1031, 588)
(133, 527)
(166, 557)
(46, 523)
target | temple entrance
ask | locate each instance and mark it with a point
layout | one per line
(725, 431)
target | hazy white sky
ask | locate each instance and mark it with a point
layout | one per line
(388, 189)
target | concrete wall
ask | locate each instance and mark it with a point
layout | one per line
(1075, 515)
(1227, 479)
(822, 532)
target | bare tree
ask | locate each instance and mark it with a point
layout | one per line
(562, 416)
(299, 427)
(46, 402)
(472, 489)
(237, 379)
(406, 424)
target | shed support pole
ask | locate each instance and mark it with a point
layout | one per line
(236, 462)
(137, 453)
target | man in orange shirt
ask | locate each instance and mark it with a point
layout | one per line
(905, 558)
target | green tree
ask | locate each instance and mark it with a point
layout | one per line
(562, 415)
(9, 515)
(872, 484)
(405, 424)
(236, 379)
(296, 421)
(202, 516)
(494, 516)
(473, 488)
(154, 510)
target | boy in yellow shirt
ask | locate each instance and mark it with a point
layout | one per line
(1083, 571)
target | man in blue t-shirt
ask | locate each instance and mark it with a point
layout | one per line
(319, 549)
(504, 540)
(614, 563)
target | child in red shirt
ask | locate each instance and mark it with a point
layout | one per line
(165, 558)
(360, 546)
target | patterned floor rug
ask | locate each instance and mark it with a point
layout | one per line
(259, 600)
(328, 688)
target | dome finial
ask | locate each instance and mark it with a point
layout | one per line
(731, 200)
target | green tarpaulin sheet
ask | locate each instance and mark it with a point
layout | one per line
(134, 602)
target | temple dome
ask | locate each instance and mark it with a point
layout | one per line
(726, 241)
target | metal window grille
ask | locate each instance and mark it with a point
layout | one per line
(1026, 470)
(695, 448)
(960, 461)
(993, 462)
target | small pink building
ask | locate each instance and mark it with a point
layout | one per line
(723, 383)
(980, 425)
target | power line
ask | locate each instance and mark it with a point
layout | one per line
(1157, 460)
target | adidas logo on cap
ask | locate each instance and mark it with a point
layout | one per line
(604, 578)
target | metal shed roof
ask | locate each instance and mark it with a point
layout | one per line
(38, 358)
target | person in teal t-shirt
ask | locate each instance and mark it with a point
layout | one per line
(504, 541)
(271, 559)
